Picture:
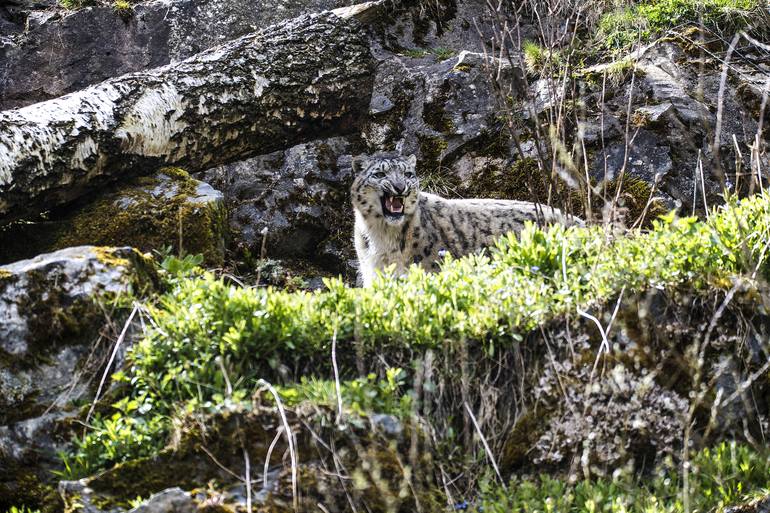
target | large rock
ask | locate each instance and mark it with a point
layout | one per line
(167, 210)
(439, 110)
(588, 412)
(674, 114)
(63, 51)
(53, 299)
(296, 200)
(52, 309)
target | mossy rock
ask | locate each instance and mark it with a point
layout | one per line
(169, 209)
(53, 298)
(52, 308)
(20, 486)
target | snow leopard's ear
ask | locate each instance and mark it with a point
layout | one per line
(359, 164)
(411, 161)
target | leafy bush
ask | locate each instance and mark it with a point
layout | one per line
(361, 396)
(621, 28)
(719, 477)
(207, 336)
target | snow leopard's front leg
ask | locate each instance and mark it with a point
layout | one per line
(365, 258)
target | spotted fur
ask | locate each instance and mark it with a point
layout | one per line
(430, 226)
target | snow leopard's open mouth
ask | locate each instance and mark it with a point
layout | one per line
(393, 206)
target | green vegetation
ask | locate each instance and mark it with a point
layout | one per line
(76, 4)
(623, 27)
(724, 475)
(538, 59)
(415, 53)
(123, 8)
(210, 342)
(440, 53)
(360, 396)
(619, 70)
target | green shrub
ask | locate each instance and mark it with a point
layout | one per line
(722, 476)
(621, 28)
(361, 396)
(207, 336)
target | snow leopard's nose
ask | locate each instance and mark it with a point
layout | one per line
(398, 187)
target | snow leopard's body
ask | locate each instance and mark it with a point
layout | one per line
(397, 224)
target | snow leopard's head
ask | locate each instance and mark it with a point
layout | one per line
(385, 187)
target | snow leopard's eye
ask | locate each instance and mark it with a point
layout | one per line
(410, 174)
(378, 175)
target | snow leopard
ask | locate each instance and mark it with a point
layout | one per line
(397, 224)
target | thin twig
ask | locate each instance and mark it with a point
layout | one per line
(337, 387)
(106, 372)
(486, 446)
(290, 440)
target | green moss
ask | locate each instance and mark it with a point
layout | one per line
(519, 182)
(438, 118)
(431, 150)
(54, 317)
(415, 53)
(462, 68)
(109, 257)
(21, 487)
(633, 198)
(137, 218)
(539, 59)
(435, 115)
(521, 439)
(442, 53)
(619, 71)
(433, 177)
(145, 476)
(5, 275)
